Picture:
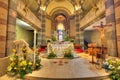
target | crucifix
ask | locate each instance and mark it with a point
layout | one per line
(101, 29)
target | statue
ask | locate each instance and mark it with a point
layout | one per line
(102, 32)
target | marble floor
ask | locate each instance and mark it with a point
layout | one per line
(70, 69)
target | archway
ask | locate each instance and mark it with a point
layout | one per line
(60, 24)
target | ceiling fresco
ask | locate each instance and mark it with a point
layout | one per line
(51, 6)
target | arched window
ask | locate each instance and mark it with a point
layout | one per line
(60, 29)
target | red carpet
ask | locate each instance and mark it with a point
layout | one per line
(79, 50)
(76, 50)
(41, 50)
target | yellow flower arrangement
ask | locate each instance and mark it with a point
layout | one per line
(14, 51)
(9, 68)
(21, 63)
(12, 64)
(113, 65)
(68, 52)
(30, 63)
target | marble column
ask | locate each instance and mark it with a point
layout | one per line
(77, 37)
(39, 38)
(43, 37)
(81, 38)
(117, 18)
(11, 28)
(111, 31)
(3, 26)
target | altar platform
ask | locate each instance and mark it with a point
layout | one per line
(70, 69)
(66, 69)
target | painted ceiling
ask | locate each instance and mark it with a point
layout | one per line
(69, 6)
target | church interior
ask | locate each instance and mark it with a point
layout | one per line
(59, 40)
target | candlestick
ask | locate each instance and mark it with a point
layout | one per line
(34, 45)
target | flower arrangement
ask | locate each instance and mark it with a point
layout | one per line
(113, 65)
(54, 38)
(51, 53)
(22, 63)
(68, 52)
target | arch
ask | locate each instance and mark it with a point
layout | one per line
(60, 9)
(57, 13)
(66, 5)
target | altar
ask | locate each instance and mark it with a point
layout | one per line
(60, 48)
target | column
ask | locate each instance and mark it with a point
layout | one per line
(39, 38)
(43, 37)
(117, 18)
(82, 39)
(11, 28)
(111, 31)
(77, 37)
(3, 26)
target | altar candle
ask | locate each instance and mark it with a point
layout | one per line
(34, 44)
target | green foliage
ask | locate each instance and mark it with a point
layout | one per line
(66, 38)
(51, 55)
(68, 55)
(54, 38)
(48, 40)
(72, 40)
(113, 65)
(37, 64)
(20, 64)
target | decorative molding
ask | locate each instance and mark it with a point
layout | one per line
(29, 16)
(92, 16)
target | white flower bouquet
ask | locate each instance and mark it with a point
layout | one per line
(113, 65)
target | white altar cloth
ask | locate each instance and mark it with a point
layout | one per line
(60, 47)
